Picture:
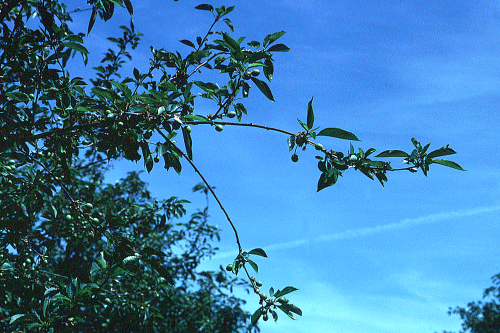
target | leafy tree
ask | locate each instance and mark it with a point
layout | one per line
(482, 316)
(80, 254)
(77, 281)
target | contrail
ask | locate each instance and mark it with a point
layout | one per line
(361, 232)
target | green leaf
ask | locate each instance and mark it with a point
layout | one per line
(7, 266)
(123, 88)
(278, 48)
(229, 24)
(393, 153)
(188, 143)
(137, 75)
(370, 151)
(285, 291)
(441, 152)
(231, 42)
(188, 43)
(76, 47)
(256, 316)
(130, 9)
(290, 308)
(291, 142)
(382, 178)
(204, 7)
(194, 117)
(75, 38)
(326, 180)
(416, 143)
(268, 69)
(93, 17)
(146, 154)
(338, 133)
(310, 114)
(254, 265)
(304, 126)
(104, 93)
(425, 148)
(264, 88)
(61, 297)
(449, 164)
(162, 270)
(258, 252)
(16, 317)
(271, 38)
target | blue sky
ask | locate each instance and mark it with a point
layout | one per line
(365, 258)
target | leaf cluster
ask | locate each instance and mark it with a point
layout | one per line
(333, 163)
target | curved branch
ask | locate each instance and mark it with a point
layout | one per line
(208, 186)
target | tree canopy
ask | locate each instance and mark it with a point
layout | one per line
(82, 255)
(482, 316)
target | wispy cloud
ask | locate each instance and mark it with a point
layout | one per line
(368, 231)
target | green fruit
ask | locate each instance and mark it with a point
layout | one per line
(258, 283)
(265, 317)
(319, 146)
(229, 268)
(88, 206)
(219, 128)
(156, 159)
(68, 217)
(120, 124)
(353, 158)
(231, 114)
(28, 261)
(247, 75)
(282, 300)
(148, 134)
(295, 158)
(12, 162)
(262, 295)
(188, 129)
(177, 123)
(255, 72)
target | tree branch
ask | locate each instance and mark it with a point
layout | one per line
(208, 186)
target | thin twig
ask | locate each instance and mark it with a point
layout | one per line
(208, 186)
(204, 63)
